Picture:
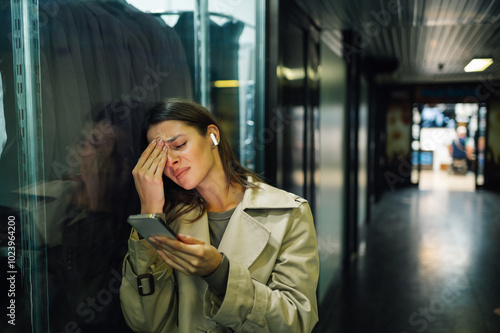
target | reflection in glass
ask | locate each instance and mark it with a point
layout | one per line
(103, 64)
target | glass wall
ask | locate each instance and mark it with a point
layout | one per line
(77, 78)
(331, 189)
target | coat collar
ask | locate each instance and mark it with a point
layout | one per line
(265, 196)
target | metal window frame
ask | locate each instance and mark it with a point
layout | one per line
(26, 57)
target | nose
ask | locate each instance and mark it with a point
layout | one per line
(172, 158)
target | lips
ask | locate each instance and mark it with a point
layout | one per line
(180, 172)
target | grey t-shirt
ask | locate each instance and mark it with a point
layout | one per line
(217, 223)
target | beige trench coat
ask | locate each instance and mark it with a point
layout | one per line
(271, 245)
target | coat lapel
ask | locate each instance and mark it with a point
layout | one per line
(244, 239)
(198, 229)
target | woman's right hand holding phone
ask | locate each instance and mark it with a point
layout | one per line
(148, 177)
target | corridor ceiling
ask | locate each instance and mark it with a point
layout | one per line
(432, 40)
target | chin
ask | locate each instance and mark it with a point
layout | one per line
(186, 185)
(187, 188)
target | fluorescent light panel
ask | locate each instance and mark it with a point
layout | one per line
(226, 84)
(478, 64)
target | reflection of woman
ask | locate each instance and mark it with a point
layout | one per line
(246, 255)
(85, 230)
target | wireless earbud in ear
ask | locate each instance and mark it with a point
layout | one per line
(212, 135)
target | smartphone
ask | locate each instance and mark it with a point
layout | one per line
(150, 225)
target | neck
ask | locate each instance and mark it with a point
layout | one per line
(220, 197)
(217, 193)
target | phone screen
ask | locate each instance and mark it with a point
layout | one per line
(150, 225)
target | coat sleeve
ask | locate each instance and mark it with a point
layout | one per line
(287, 302)
(157, 311)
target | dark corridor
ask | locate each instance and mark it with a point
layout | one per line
(430, 265)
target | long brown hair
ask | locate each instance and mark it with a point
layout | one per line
(195, 115)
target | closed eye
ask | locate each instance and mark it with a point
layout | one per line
(180, 146)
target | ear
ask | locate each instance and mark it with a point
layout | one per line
(213, 133)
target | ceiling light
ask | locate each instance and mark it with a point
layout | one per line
(478, 64)
(226, 84)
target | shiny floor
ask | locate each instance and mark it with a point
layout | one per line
(430, 263)
(442, 180)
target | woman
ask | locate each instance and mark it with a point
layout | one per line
(246, 257)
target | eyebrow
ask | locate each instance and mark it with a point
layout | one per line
(174, 138)
(169, 140)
